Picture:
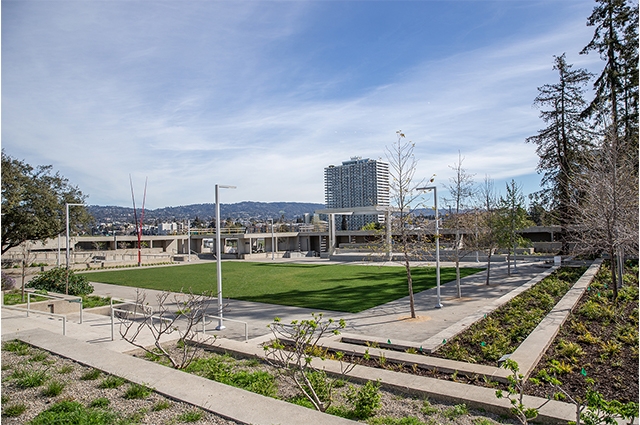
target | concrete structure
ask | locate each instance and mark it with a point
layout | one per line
(357, 183)
(240, 243)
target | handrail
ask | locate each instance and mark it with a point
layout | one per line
(68, 298)
(246, 325)
(46, 313)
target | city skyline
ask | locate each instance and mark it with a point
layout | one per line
(265, 95)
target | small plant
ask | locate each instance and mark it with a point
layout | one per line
(66, 369)
(515, 393)
(190, 416)
(67, 411)
(411, 350)
(569, 350)
(100, 403)
(91, 375)
(111, 382)
(427, 409)
(137, 392)
(14, 410)
(16, 346)
(365, 400)
(39, 356)
(30, 378)
(610, 349)
(161, 405)
(482, 421)
(53, 389)
(560, 367)
(456, 411)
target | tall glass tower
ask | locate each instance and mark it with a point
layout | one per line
(357, 183)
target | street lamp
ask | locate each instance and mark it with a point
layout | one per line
(218, 256)
(66, 286)
(435, 202)
(272, 242)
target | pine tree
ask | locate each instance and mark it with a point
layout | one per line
(562, 144)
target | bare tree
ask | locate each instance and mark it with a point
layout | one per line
(487, 238)
(188, 310)
(402, 169)
(607, 220)
(461, 188)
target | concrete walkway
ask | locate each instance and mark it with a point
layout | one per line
(90, 343)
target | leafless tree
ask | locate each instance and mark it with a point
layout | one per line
(607, 220)
(487, 238)
(462, 189)
(178, 313)
(402, 169)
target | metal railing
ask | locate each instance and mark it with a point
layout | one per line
(45, 313)
(145, 310)
(68, 298)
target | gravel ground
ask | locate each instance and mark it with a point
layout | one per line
(394, 405)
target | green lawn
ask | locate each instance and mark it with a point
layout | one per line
(346, 288)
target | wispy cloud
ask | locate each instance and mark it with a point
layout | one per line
(217, 93)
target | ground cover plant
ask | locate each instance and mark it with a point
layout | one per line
(597, 348)
(503, 331)
(345, 288)
(88, 301)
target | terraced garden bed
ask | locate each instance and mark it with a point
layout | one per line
(598, 346)
(502, 331)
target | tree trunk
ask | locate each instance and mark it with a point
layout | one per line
(488, 265)
(407, 266)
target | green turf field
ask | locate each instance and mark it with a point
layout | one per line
(346, 288)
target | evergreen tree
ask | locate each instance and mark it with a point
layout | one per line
(615, 39)
(562, 144)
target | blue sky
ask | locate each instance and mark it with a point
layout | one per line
(264, 95)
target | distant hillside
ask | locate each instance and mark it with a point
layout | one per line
(205, 212)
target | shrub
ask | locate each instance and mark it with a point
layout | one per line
(456, 411)
(365, 400)
(55, 280)
(7, 282)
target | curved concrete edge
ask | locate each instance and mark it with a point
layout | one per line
(229, 402)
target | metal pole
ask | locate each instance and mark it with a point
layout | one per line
(218, 262)
(435, 197)
(435, 204)
(219, 256)
(272, 242)
(189, 239)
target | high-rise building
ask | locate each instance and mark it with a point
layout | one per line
(357, 183)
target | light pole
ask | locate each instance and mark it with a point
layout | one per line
(66, 286)
(272, 242)
(435, 203)
(218, 256)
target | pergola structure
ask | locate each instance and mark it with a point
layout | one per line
(371, 210)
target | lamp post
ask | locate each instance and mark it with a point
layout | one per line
(272, 242)
(435, 203)
(218, 256)
(66, 286)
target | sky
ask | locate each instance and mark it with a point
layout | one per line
(263, 95)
